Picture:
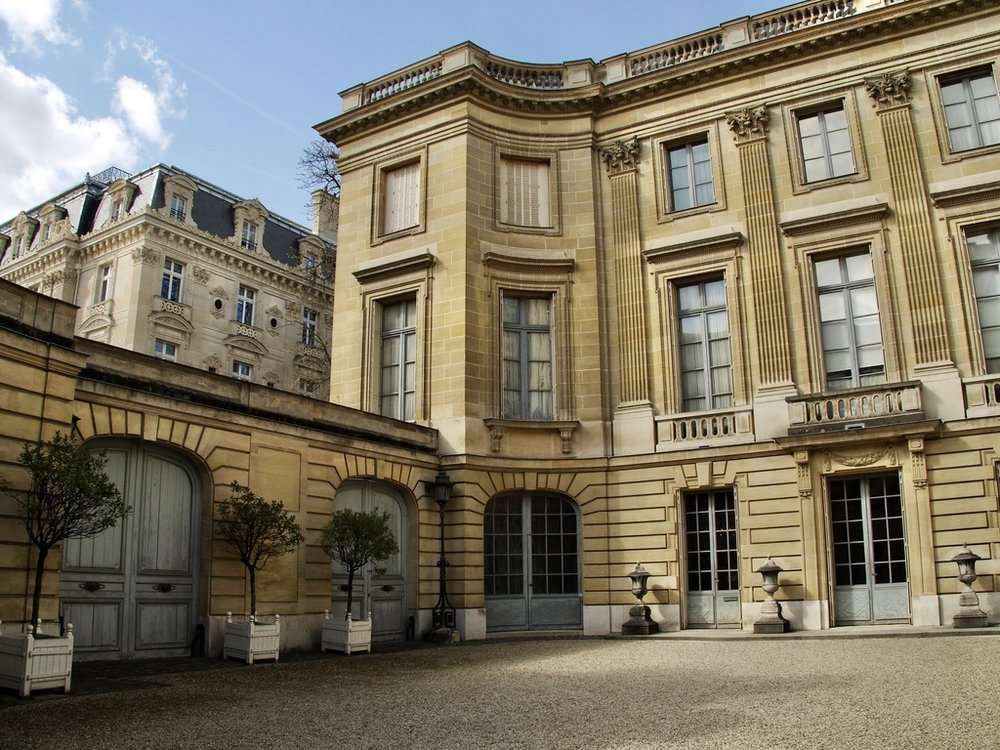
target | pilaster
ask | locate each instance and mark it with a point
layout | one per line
(634, 428)
(749, 128)
(890, 94)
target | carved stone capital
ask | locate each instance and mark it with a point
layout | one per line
(749, 123)
(889, 89)
(621, 156)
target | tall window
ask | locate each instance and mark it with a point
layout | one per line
(399, 359)
(248, 235)
(849, 322)
(524, 193)
(690, 175)
(104, 278)
(116, 210)
(825, 142)
(705, 358)
(971, 110)
(527, 357)
(244, 305)
(178, 207)
(309, 319)
(984, 253)
(170, 287)
(401, 198)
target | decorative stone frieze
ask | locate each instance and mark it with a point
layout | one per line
(886, 454)
(201, 275)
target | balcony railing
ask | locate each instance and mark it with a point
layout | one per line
(704, 428)
(982, 396)
(737, 33)
(857, 408)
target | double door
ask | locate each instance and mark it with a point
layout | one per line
(713, 595)
(869, 550)
(131, 591)
(532, 564)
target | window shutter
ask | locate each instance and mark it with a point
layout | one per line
(402, 198)
(525, 193)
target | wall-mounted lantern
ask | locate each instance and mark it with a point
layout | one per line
(770, 620)
(639, 621)
(969, 614)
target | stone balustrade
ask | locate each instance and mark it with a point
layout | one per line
(982, 396)
(737, 33)
(704, 428)
(857, 408)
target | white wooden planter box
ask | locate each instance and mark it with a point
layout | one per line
(251, 640)
(346, 635)
(36, 662)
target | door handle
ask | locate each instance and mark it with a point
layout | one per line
(164, 588)
(91, 586)
(388, 587)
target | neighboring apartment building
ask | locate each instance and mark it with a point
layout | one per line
(729, 297)
(164, 263)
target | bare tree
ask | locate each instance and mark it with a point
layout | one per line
(318, 167)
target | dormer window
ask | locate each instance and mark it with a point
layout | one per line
(178, 198)
(248, 235)
(249, 218)
(178, 207)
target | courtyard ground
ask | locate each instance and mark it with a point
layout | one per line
(833, 693)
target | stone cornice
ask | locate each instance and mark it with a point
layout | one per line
(700, 245)
(969, 190)
(469, 81)
(836, 219)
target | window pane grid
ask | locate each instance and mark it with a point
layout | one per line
(690, 175)
(984, 254)
(850, 327)
(527, 358)
(972, 111)
(398, 353)
(825, 144)
(170, 286)
(705, 358)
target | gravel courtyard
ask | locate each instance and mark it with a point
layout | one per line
(600, 694)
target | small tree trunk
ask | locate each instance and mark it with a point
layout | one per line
(36, 597)
(253, 590)
(350, 591)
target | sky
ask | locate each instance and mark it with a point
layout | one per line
(231, 91)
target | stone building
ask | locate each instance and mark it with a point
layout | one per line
(164, 263)
(729, 297)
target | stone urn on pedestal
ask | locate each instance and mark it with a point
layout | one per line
(969, 613)
(771, 620)
(639, 621)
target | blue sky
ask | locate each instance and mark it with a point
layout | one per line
(230, 91)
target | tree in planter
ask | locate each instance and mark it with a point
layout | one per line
(355, 539)
(257, 530)
(70, 496)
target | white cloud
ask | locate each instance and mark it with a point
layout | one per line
(30, 21)
(138, 104)
(145, 106)
(47, 145)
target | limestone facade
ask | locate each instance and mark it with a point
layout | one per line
(747, 268)
(165, 263)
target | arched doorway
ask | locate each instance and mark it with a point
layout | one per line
(131, 592)
(381, 588)
(531, 563)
